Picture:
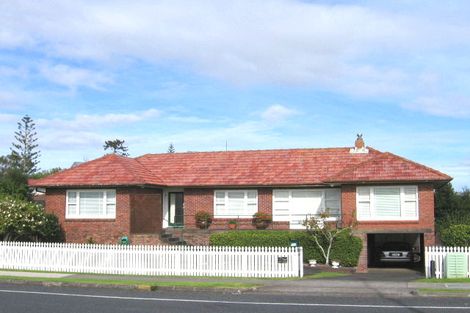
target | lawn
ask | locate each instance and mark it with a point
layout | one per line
(443, 280)
(154, 284)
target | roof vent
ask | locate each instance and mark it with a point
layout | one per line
(359, 146)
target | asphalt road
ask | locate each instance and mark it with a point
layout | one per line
(38, 299)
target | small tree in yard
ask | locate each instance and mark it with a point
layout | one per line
(171, 148)
(324, 232)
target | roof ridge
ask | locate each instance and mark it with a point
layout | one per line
(157, 177)
(419, 164)
(247, 150)
(353, 167)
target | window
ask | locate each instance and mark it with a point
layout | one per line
(235, 203)
(91, 204)
(294, 205)
(387, 203)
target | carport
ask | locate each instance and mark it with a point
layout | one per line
(376, 241)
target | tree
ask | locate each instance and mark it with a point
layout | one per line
(13, 181)
(324, 232)
(171, 148)
(24, 153)
(117, 146)
(45, 173)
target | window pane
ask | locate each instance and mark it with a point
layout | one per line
(72, 197)
(410, 193)
(281, 195)
(111, 197)
(236, 195)
(91, 203)
(71, 209)
(387, 202)
(363, 194)
(409, 209)
(110, 209)
(363, 209)
(251, 194)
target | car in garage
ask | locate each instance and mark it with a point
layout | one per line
(396, 251)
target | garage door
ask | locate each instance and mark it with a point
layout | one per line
(295, 205)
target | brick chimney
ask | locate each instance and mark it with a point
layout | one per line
(359, 145)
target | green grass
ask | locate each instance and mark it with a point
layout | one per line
(325, 275)
(191, 284)
(431, 290)
(443, 280)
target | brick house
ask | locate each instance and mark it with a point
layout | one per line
(391, 198)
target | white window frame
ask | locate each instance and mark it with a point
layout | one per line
(293, 218)
(373, 217)
(245, 191)
(104, 214)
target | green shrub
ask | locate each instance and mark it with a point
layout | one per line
(456, 235)
(21, 220)
(346, 247)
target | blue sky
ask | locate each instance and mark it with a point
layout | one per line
(254, 74)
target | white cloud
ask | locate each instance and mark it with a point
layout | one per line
(352, 49)
(457, 107)
(276, 113)
(6, 118)
(74, 77)
(90, 121)
(247, 41)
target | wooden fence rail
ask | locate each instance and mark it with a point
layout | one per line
(153, 260)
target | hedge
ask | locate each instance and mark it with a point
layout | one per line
(456, 236)
(346, 248)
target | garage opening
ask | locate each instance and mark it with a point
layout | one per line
(396, 250)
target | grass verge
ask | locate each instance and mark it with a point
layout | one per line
(325, 275)
(445, 291)
(443, 280)
(190, 284)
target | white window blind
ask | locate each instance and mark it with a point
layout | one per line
(294, 205)
(387, 203)
(235, 203)
(91, 204)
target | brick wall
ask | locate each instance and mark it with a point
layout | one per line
(146, 213)
(105, 230)
(202, 199)
(424, 225)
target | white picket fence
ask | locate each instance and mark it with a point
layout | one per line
(437, 255)
(153, 260)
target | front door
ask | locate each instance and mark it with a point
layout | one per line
(176, 212)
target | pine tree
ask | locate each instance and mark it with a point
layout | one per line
(171, 148)
(24, 152)
(117, 146)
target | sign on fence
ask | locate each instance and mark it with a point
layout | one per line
(437, 262)
(153, 260)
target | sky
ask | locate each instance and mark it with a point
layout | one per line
(204, 75)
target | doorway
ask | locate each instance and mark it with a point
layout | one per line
(176, 209)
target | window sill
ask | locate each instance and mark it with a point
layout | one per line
(82, 219)
(387, 221)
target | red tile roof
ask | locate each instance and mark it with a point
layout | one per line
(388, 167)
(290, 167)
(109, 170)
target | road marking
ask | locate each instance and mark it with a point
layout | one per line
(375, 306)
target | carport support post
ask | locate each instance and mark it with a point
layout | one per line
(363, 258)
